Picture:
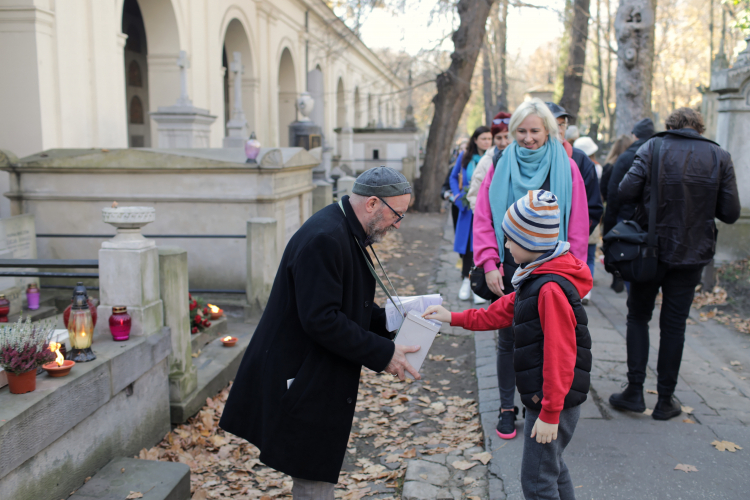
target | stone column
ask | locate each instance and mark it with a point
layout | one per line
(129, 271)
(322, 195)
(173, 286)
(262, 263)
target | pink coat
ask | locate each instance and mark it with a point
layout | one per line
(485, 240)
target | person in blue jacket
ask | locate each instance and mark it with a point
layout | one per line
(480, 141)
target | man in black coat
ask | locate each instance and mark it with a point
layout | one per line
(585, 165)
(696, 185)
(616, 211)
(296, 388)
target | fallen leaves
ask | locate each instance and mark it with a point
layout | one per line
(133, 495)
(686, 468)
(463, 464)
(717, 297)
(483, 457)
(725, 446)
(687, 409)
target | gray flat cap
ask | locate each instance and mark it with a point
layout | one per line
(382, 182)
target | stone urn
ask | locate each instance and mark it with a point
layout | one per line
(128, 221)
(305, 105)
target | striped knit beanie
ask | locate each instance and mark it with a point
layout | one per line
(533, 222)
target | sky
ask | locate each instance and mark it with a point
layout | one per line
(411, 31)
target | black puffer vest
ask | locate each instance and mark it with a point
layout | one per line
(528, 358)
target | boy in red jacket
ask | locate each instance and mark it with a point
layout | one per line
(552, 357)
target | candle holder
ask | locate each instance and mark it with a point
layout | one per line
(80, 328)
(32, 296)
(252, 149)
(229, 341)
(55, 370)
(119, 323)
(4, 308)
(215, 311)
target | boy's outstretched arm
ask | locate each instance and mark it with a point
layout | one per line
(499, 315)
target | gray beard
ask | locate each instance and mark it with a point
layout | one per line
(376, 235)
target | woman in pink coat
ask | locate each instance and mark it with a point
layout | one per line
(535, 160)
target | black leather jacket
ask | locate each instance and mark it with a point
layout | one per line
(696, 185)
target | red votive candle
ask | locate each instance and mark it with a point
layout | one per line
(119, 323)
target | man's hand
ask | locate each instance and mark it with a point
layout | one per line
(399, 365)
(495, 282)
(544, 432)
(439, 313)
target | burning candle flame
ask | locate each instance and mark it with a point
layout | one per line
(227, 338)
(213, 308)
(55, 347)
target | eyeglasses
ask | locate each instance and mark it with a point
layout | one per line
(498, 121)
(399, 216)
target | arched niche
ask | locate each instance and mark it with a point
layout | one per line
(340, 104)
(287, 96)
(236, 39)
(159, 49)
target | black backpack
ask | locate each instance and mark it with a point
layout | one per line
(629, 252)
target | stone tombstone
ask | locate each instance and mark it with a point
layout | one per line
(732, 130)
(129, 271)
(17, 241)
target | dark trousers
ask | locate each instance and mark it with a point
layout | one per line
(678, 288)
(506, 373)
(467, 261)
(544, 475)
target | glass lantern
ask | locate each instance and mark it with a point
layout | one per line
(119, 323)
(80, 328)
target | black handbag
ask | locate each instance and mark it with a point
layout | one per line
(479, 284)
(629, 252)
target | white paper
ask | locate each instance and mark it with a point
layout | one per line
(417, 331)
(289, 382)
(417, 303)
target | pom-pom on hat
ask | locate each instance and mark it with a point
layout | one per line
(382, 182)
(533, 222)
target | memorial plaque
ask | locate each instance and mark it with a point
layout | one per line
(17, 241)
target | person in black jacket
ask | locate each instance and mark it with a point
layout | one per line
(296, 388)
(696, 185)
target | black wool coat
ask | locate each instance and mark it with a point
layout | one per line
(319, 327)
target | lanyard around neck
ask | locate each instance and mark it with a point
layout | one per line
(374, 274)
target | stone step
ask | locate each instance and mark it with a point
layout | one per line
(217, 329)
(217, 365)
(155, 480)
(46, 310)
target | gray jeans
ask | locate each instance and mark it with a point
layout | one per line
(544, 475)
(304, 489)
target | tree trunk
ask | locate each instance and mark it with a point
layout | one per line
(489, 106)
(634, 28)
(502, 41)
(453, 91)
(573, 76)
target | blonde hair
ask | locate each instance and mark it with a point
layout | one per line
(534, 107)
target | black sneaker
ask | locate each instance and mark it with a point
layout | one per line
(506, 426)
(666, 407)
(629, 399)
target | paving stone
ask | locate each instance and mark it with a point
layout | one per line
(438, 459)
(472, 451)
(444, 494)
(417, 490)
(487, 382)
(489, 406)
(488, 335)
(486, 360)
(487, 371)
(496, 489)
(489, 394)
(428, 472)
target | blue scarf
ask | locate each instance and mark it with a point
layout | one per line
(470, 168)
(521, 170)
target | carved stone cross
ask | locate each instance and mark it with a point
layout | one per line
(183, 64)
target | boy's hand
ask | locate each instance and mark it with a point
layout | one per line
(544, 432)
(439, 313)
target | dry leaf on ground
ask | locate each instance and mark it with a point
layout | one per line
(200, 495)
(463, 465)
(133, 495)
(725, 446)
(648, 411)
(686, 468)
(484, 457)
(688, 421)
(651, 391)
(735, 363)
(687, 409)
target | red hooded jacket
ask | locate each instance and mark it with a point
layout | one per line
(558, 325)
